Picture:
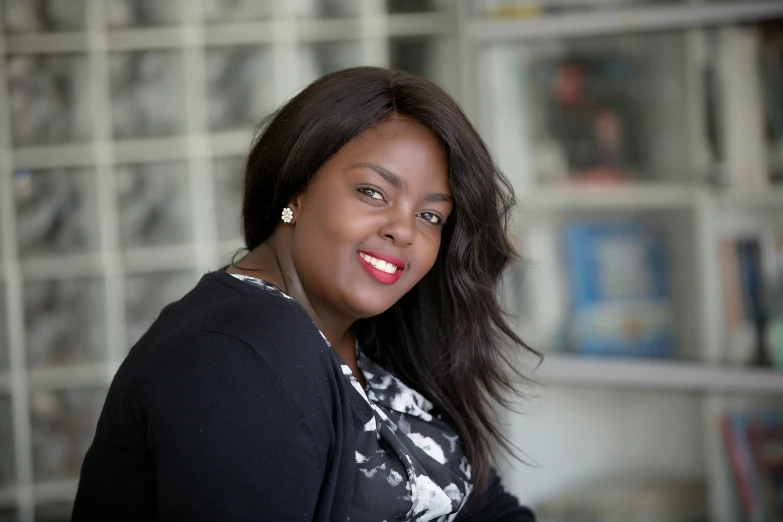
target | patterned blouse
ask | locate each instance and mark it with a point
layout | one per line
(410, 464)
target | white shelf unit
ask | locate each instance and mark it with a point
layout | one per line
(615, 20)
(205, 157)
(604, 419)
(664, 375)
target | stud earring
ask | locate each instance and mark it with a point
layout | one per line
(288, 215)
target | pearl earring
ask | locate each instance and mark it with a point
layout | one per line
(288, 215)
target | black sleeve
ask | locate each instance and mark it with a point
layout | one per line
(496, 505)
(228, 443)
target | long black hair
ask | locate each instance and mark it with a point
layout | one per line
(448, 336)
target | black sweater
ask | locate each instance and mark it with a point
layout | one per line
(232, 408)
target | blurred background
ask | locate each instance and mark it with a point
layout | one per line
(644, 139)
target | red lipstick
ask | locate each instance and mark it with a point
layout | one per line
(381, 276)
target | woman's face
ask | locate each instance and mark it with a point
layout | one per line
(368, 227)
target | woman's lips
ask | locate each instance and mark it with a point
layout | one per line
(380, 272)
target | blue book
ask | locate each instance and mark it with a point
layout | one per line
(620, 301)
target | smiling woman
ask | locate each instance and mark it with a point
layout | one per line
(343, 368)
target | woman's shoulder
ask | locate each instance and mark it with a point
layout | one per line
(257, 316)
(224, 321)
(249, 347)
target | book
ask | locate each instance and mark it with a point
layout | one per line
(751, 269)
(772, 81)
(754, 447)
(735, 439)
(619, 289)
(738, 332)
(766, 442)
(742, 141)
(590, 124)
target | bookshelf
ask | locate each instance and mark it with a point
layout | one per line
(664, 375)
(618, 19)
(586, 429)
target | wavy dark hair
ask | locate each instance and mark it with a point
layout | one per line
(448, 336)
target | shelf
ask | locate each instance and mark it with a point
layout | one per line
(608, 197)
(70, 377)
(59, 42)
(772, 197)
(241, 33)
(231, 143)
(43, 492)
(7, 497)
(657, 374)
(418, 24)
(615, 21)
(55, 491)
(145, 38)
(160, 258)
(75, 266)
(138, 150)
(54, 156)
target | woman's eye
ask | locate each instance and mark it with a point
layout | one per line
(371, 194)
(432, 218)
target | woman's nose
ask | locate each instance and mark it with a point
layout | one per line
(400, 228)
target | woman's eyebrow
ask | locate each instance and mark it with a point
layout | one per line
(438, 197)
(399, 183)
(393, 179)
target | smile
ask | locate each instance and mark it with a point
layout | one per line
(384, 271)
(380, 264)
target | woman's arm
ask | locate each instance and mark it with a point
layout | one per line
(218, 438)
(496, 505)
(229, 444)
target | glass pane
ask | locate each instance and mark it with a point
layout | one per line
(64, 322)
(135, 13)
(48, 99)
(26, 16)
(229, 176)
(55, 212)
(517, 9)
(59, 512)
(610, 283)
(236, 10)
(771, 65)
(7, 465)
(4, 340)
(153, 201)
(63, 426)
(146, 93)
(412, 6)
(750, 241)
(317, 59)
(431, 57)
(410, 54)
(240, 86)
(608, 109)
(146, 295)
(326, 8)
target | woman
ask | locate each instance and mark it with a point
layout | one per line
(341, 369)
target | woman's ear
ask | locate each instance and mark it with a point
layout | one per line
(295, 205)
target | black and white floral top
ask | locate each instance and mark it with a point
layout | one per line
(410, 464)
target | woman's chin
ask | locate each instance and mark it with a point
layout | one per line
(368, 304)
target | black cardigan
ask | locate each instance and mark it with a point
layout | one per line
(230, 407)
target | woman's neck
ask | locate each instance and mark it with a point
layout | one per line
(274, 264)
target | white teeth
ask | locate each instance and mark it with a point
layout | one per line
(379, 263)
